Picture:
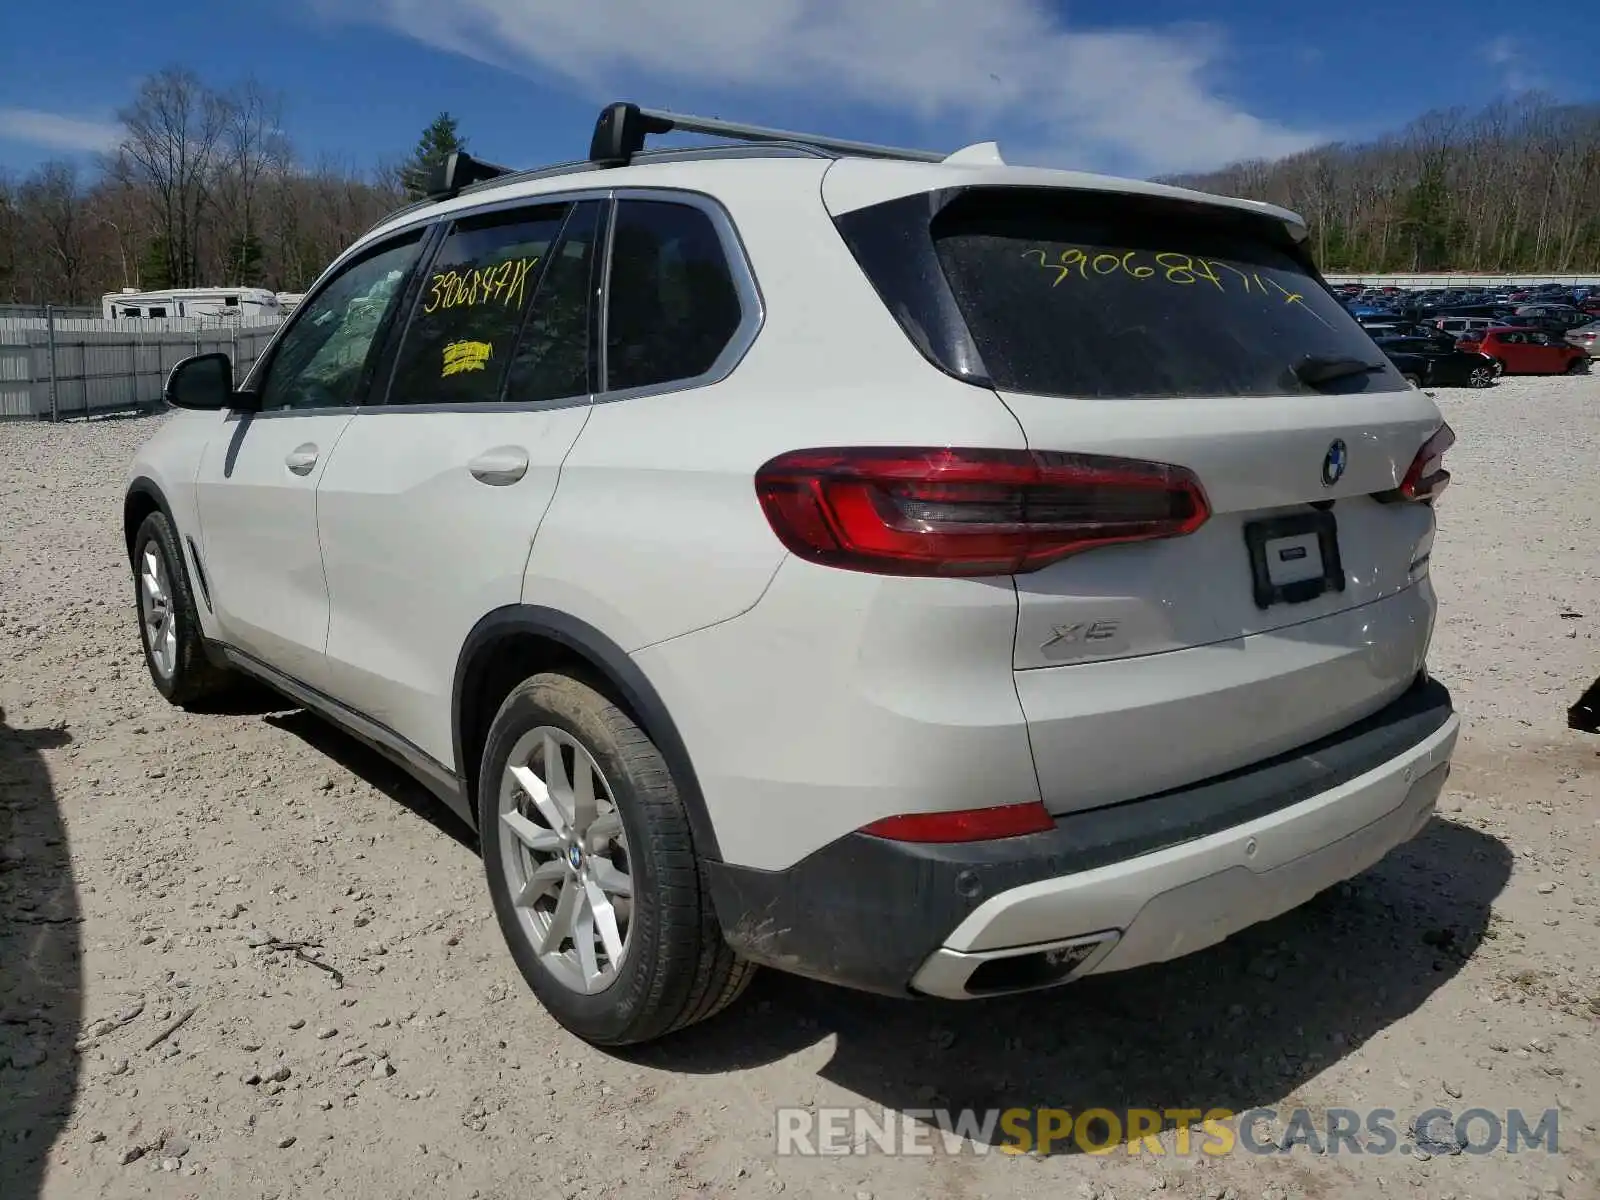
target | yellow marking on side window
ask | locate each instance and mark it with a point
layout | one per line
(466, 356)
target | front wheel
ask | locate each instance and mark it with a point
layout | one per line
(592, 869)
(1481, 377)
(1578, 366)
(1414, 380)
(169, 626)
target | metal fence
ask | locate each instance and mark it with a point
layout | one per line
(44, 310)
(59, 368)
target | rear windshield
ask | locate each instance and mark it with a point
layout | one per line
(1084, 294)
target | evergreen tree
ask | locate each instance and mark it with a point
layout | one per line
(439, 140)
(155, 265)
(246, 256)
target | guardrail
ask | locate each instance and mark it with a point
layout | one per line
(1462, 279)
(59, 368)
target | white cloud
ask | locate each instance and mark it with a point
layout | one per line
(57, 131)
(1137, 99)
(1506, 54)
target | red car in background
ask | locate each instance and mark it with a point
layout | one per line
(1527, 351)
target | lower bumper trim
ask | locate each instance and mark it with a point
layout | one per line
(869, 913)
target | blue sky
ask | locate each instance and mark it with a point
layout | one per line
(1136, 89)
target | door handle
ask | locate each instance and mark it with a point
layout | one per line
(501, 466)
(302, 458)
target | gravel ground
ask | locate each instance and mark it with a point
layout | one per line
(241, 957)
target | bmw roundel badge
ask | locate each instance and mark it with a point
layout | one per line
(1334, 462)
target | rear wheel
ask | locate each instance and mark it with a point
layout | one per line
(1499, 368)
(592, 869)
(169, 626)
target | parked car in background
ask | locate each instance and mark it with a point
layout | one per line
(1554, 313)
(1536, 324)
(1586, 338)
(1456, 326)
(1528, 351)
(1439, 362)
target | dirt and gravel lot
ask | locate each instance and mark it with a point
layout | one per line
(241, 957)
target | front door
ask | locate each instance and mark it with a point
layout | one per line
(429, 508)
(257, 485)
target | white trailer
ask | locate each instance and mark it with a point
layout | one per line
(191, 302)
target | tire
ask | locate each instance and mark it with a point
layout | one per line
(1481, 377)
(169, 627)
(1578, 366)
(1413, 379)
(674, 967)
(1499, 368)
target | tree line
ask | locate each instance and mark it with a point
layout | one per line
(203, 188)
(1512, 188)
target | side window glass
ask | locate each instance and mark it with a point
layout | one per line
(320, 359)
(673, 303)
(463, 331)
(552, 359)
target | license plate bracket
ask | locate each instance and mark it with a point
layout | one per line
(1294, 558)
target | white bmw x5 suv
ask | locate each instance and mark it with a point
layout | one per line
(923, 574)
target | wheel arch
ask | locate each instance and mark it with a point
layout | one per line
(143, 497)
(509, 644)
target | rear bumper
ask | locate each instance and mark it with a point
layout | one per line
(1111, 887)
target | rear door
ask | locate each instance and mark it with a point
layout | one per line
(428, 510)
(1178, 334)
(1550, 352)
(1512, 349)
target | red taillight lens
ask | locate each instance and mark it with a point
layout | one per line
(933, 511)
(965, 825)
(1427, 476)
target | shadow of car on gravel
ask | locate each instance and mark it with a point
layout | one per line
(361, 760)
(41, 962)
(1238, 1026)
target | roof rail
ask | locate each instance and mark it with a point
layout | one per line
(458, 171)
(620, 131)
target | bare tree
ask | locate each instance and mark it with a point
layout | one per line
(10, 241)
(254, 148)
(53, 202)
(174, 130)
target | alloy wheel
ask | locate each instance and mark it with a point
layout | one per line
(566, 859)
(155, 610)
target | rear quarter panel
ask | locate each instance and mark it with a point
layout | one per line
(655, 530)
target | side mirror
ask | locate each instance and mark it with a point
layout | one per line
(203, 382)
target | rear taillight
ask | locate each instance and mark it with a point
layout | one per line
(1427, 477)
(933, 511)
(965, 825)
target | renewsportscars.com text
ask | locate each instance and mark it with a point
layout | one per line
(1172, 1132)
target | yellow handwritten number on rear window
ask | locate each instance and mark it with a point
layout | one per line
(1183, 270)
